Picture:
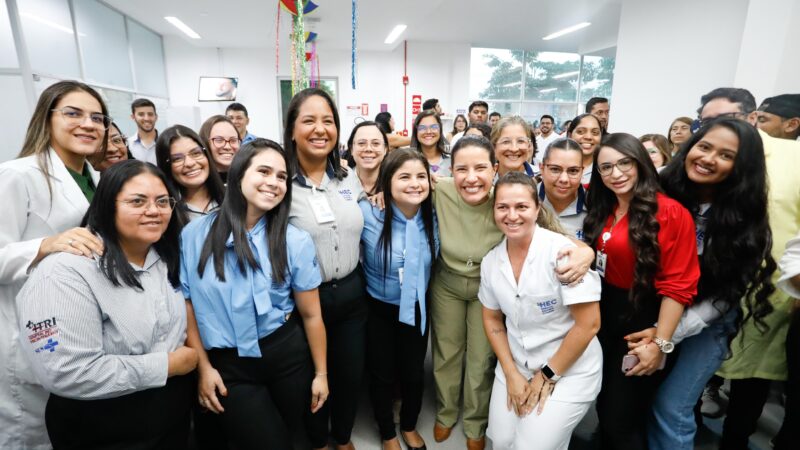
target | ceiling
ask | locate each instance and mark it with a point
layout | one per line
(485, 23)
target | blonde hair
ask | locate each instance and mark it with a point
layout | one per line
(497, 129)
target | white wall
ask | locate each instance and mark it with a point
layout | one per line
(661, 75)
(435, 70)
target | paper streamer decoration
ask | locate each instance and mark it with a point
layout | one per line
(310, 36)
(278, 39)
(299, 68)
(292, 7)
(353, 47)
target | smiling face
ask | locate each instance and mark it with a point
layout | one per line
(512, 148)
(621, 182)
(561, 174)
(711, 160)
(473, 174)
(191, 173)
(240, 121)
(679, 132)
(117, 150)
(145, 118)
(315, 132)
(410, 185)
(428, 132)
(515, 211)
(369, 148)
(264, 182)
(225, 149)
(141, 227)
(546, 126)
(588, 135)
(83, 139)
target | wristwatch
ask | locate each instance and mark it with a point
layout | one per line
(664, 345)
(550, 374)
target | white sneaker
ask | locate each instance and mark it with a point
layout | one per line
(712, 406)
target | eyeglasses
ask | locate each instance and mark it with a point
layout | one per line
(624, 165)
(424, 129)
(221, 141)
(75, 117)
(572, 172)
(141, 205)
(731, 115)
(118, 140)
(518, 142)
(179, 159)
(364, 144)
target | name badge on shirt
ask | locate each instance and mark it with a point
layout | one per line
(322, 210)
(600, 264)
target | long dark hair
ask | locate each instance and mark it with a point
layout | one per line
(288, 131)
(216, 190)
(101, 218)
(390, 165)
(231, 219)
(466, 124)
(643, 227)
(736, 262)
(415, 134)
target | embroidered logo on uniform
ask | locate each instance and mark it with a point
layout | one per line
(548, 306)
(347, 194)
(579, 235)
(41, 330)
(50, 346)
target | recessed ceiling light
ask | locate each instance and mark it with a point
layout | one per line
(566, 31)
(565, 75)
(396, 32)
(182, 26)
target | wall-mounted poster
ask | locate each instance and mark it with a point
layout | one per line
(217, 89)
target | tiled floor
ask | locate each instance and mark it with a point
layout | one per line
(365, 434)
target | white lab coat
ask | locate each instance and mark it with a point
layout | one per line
(28, 216)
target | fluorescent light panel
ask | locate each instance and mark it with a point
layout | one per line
(182, 26)
(565, 75)
(567, 30)
(396, 32)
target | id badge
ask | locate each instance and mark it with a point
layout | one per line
(322, 210)
(600, 264)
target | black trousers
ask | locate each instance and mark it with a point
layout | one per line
(268, 397)
(748, 396)
(623, 405)
(344, 311)
(155, 418)
(395, 356)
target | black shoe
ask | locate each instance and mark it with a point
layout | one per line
(403, 437)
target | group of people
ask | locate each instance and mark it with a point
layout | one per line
(244, 290)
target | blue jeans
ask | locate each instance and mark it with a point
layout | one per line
(672, 424)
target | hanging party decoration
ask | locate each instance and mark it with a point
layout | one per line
(353, 46)
(299, 67)
(292, 7)
(278, 39)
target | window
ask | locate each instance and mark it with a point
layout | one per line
(104, 45)
(8, 54)
(50, 37)
(530, 84)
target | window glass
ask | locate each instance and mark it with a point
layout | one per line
(104, 46)
(148, 60)
(8, 54)
(49, 36)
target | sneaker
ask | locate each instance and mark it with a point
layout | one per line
(712, 403)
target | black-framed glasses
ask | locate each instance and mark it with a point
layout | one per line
(573, 172)
(624, 165)
(76, 117)
(220, 141)
(140, 204)
(179, 159)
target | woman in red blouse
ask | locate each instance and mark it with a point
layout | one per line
(646, 254)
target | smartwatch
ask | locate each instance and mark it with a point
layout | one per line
(550, 374)
(664, 345)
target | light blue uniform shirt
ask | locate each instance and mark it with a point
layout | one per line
(247, 306)
(248, 137)
(387, 287)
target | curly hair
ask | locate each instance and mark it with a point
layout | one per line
(736, 264)
(643, 227)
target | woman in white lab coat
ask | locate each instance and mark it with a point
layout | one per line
(46, 192)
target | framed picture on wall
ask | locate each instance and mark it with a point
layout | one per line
(328, 84)
(217, 89)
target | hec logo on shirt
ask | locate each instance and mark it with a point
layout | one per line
(579, 235)
(547, 306)
(347, 194)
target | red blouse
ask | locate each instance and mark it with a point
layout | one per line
(679, 270)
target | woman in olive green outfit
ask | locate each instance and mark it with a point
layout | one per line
(467, 232)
